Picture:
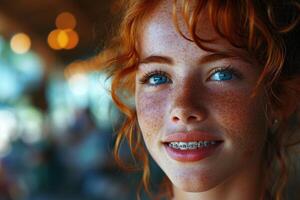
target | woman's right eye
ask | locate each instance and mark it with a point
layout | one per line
(155, 78)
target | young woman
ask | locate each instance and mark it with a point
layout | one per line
(216, 87)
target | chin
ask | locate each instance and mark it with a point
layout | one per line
(193, 183)
(194, 186)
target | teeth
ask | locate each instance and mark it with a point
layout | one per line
(200, 144)
(191, 145)
(183, 145)
(206, 143)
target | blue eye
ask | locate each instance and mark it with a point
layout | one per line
(224, 74)
(155, 78)
(158, 79)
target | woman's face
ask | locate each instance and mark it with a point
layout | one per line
(186, 94)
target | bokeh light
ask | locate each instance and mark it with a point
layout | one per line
(73, 39)
(31, 123)
(65, 20)
(10, 88)
(29, 68)
(63, 39)
(52, 39)
(20, 43)
(8, 128)
(79, 84)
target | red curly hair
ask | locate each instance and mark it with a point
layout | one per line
(248, 24)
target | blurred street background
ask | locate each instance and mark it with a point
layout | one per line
(56, 125)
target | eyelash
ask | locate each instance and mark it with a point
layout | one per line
(145, 78)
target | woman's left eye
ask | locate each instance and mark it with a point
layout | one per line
(223, 74)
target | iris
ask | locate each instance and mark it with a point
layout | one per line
(222, 76)
(158, 79)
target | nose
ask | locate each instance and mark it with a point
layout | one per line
(188, 106)
(186, 116)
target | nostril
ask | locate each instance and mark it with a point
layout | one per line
(175, 119)
(192, 118)
(188, 119)
(185, 115)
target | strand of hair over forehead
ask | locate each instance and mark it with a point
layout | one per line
(238, 21)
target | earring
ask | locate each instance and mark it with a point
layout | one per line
(275, 121)
(274, 127)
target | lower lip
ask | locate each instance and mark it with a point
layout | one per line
(193, 154)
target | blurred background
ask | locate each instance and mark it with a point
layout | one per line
(56, 126)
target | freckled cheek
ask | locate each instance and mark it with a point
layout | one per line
(150, 112)
(242, 120)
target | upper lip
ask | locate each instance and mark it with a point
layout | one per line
(191, 136)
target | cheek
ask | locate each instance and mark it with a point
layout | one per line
(242, 119)
(150, 112)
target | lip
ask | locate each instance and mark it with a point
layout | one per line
(192, 155)
(190, 137)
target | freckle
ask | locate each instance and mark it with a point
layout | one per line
(230, 105)
(150, 114)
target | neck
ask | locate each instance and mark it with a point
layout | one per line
(246, 185)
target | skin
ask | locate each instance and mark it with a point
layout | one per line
(192, 100)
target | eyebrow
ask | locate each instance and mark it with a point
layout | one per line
(205, 59)
(157, 59)
(239, 55)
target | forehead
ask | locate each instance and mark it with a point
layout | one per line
(159, 34)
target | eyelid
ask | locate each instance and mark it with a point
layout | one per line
(229, 68)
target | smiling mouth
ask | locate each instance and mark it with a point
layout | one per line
(191, 151)
(192, 145)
